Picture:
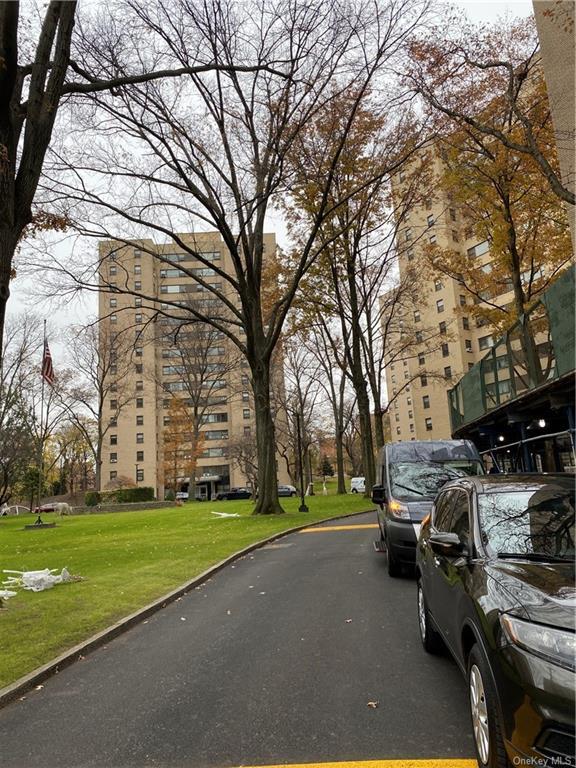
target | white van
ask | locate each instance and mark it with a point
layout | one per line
(357, 485)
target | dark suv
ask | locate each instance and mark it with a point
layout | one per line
(495, 577)
(233, 493)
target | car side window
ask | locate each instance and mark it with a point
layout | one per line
(443, 511)
(460, 522)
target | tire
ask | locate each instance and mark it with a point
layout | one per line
(430, 637)
(293, 493)
(354, 490)
(486, 728)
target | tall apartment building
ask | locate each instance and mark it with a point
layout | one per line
(447, 341)
(151, 346)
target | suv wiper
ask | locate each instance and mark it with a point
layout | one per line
(537, 557)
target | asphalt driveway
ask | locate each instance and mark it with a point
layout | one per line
(305, 651)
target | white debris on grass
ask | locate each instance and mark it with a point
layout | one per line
(37, 581)
(225, 514)
(6, 593)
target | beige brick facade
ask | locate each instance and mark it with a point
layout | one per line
(134, 447)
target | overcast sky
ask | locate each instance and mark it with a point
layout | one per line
(21, 299)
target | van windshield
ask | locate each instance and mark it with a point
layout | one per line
(421, 481)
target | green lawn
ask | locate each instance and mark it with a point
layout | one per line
(127, 559)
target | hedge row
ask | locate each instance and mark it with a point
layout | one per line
(119, 496)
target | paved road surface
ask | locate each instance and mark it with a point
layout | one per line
(272, 661)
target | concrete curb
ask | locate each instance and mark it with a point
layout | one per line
(26, 683)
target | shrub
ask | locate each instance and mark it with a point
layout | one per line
(92, 498)
(129, 495)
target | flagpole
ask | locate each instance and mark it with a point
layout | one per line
(41, 449)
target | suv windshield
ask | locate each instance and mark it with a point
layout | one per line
(420, 481)
(536, 522)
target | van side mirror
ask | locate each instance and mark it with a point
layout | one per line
(378, 494)
(447, 544)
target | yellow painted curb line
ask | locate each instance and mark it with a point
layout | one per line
(337, 528)
(423, 763)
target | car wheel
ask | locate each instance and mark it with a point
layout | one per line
(293, 493)
(431, 638)
(490, 750)
(354, 490)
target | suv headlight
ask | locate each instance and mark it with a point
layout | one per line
(555, 645)
(399, 510)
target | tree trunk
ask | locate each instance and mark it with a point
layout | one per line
(7, 246)
(378, 425)
(267, 502)
(340, 462)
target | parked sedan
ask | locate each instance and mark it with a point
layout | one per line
(49, 507)
(495, 582)
(233, 493)
(287, 490)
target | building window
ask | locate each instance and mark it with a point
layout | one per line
(397, 430)
(408, 234)
(418, 336)
(113, 474)
(138, 301)
(455, 237)
(426, 401)
(468, 345)
(430, 220)
(113, 303)
(245, 397)
(438, 285)
(114, 319)
(139, 385)
(411, 427)
(139, 475)
(416, 316)
(139, 437)
(423, 380)
(247, 431)
(139, 402)
(137, 285)
(462, 300)
(465, 323)
(442, 327)
(452, 214)
(139, 368)
(138, 351)
(114, 387)
(478, 250)
(408, 401)
(432, 239)
(410, 254)
(421, 358)
(440, 305)
(445, 350)
(139, 455)
(428, 423)
(137, 269)
(113, 439)
(113, 458)
(138, 318)
(112, 270)
(485, 342)
(113, 404)
(448, 372)
(470, 366)
(113, 421)
(113, 369)
(410, 415)
(397, 416)
(402, 175)
(140, 420)
(246, 413)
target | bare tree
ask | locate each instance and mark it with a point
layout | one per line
(59, 65)
(215, 149)
(100, 382)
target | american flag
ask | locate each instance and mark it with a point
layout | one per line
(47, 368)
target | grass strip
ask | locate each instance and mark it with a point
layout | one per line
(127, 560)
